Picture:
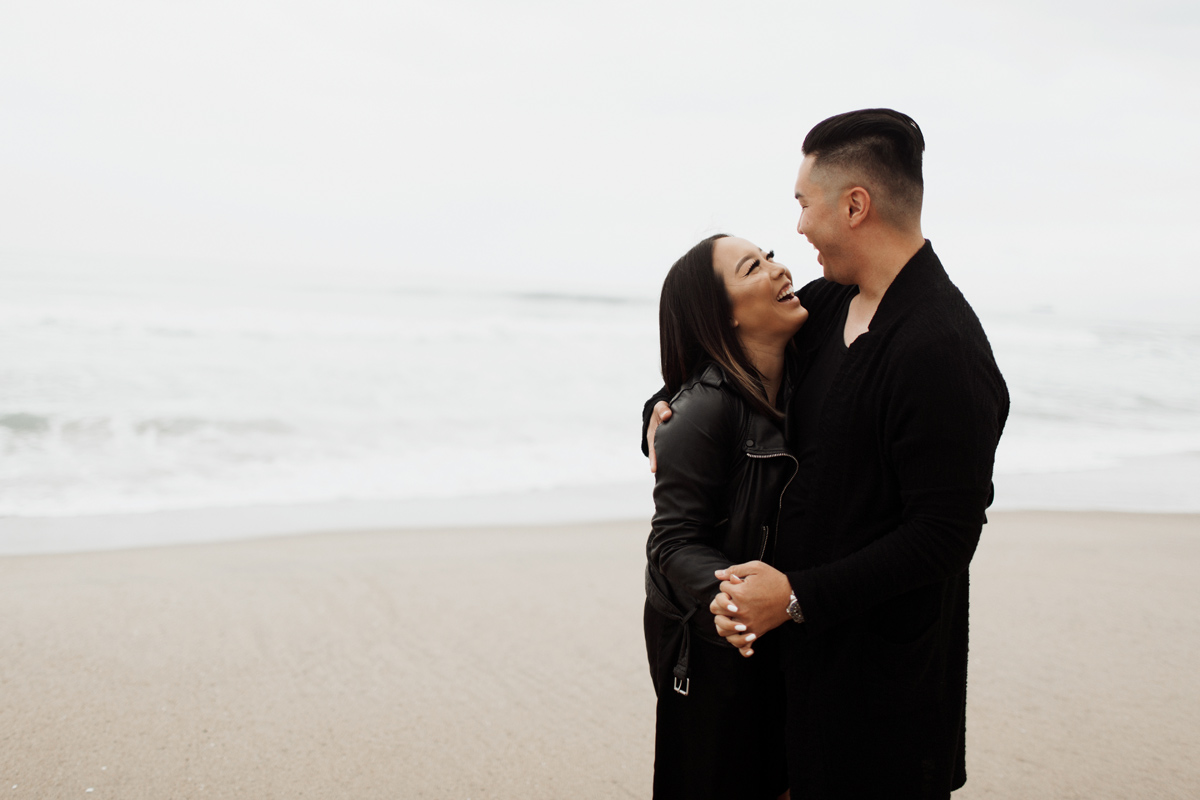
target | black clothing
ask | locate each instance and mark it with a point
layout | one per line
(876, 675)
(725, 738)
(804, 412)
(723, 468)
(901, 477)
(722, 471)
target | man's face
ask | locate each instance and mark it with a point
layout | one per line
(820, 221)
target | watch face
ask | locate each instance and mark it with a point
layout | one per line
(793, 610)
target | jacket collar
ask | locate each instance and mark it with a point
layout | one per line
(766, 435)
(712, 374)
(917, 278)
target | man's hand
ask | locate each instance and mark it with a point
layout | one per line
(660, 414)
(753, 600)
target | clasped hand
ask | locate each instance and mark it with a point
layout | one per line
(753, 600)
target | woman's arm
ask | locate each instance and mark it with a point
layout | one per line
(695, 457)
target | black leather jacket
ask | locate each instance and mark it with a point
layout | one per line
(722, 471)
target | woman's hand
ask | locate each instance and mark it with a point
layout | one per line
(753, 600)
(735, 633)
(731, 629)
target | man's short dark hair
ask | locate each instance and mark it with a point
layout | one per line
(880, 149)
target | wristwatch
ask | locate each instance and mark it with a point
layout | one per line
(794, 611)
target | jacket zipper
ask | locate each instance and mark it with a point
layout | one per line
(778, 512)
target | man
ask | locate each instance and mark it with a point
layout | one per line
(895, 420)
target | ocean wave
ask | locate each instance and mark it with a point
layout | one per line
(136, 398)
(23, 424)
(24, 431)
(587, 299)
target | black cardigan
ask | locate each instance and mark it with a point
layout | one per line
(904, 454)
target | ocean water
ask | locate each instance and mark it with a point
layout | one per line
(155, 393)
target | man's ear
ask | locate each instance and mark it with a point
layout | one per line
(858, 204)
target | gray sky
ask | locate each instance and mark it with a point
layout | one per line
(569, 147)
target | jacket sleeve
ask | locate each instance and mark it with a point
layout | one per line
(945, 412)
(647, 409)
(694, 460)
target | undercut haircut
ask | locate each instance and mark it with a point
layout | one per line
(878, 149)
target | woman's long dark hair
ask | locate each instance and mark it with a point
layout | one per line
(694, 326)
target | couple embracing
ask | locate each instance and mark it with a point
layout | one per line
(823, 465)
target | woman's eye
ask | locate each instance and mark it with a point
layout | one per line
(753, 265)
(771, 256)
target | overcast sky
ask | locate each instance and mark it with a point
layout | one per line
(566, 147)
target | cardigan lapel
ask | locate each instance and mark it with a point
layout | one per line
(920, 275)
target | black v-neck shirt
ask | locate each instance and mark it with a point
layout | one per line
(804, 416)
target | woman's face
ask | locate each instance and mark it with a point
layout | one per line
(760, 291)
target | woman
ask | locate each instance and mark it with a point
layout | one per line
(726, 316)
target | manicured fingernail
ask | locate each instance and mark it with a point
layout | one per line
(750, 637)
(732, 607)
(749, 653)
(739, 627)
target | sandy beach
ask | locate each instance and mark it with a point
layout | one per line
(508, 663)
